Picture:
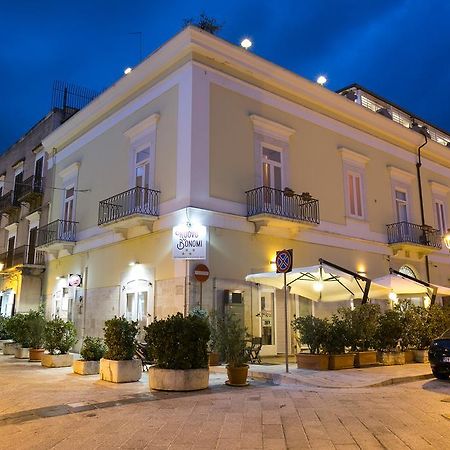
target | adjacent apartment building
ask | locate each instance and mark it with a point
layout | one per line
(208, 151)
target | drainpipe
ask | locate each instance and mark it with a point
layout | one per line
(422, 131)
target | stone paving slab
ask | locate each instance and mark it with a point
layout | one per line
(347, 378)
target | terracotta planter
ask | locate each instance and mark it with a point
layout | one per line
(409, 356)
(120, 371)
(345, 361)
(36, 354)
(9, 348)
(237, 376)
(178, 380)
(364, 359)
(82, 367)
(312, 362)
(55, 361)
(22, 353)
(421, 356)
(214, 359)
(391, 358)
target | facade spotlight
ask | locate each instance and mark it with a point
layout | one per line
(127, 70)
(246, 43)
(392, 296)
(321, 80)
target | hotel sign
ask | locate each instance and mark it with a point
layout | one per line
(189, 242)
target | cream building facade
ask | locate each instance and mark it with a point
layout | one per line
(207, 134)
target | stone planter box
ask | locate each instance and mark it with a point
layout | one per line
(57, 360)
(312, 362)
(3, 342)
(364, 359)
(178, 380)
(36, 354)
(421, 356)
(120, 371)
(82, 367)
(22, 353)
(391, 358)
(345, 361)
(409, 356)
(9, 348)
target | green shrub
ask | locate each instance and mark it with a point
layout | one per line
(410, 321)
(431, 323)
(337, 335)
(93, 348)
(4, 332)
(120, 338)
(36, 325)
(230, 338)
(312, 332)
(179, 342)
(59, 336)
(19, 331)
(365, 320)
(389, 331)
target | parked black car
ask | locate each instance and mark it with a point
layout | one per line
(439, 355)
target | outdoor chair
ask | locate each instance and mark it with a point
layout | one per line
(142, 354)
(253, 350)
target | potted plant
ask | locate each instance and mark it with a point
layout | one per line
(92, 351)
(313, 332)
(5, 337)
(179, 347)
(363, 324)
(388, 337)
(335, 343)
(213, 344)
(36, 325)
(408, 318)
(118, 365)
(231, 343)
(20, 332)
(59, 337)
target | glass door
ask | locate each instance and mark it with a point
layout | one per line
(267, 322)
(136, 309)
(142, 179)
(69, 213)
(272, 178)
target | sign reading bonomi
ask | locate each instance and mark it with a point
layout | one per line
(189, 242)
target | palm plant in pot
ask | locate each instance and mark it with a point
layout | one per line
(387, 338)
(118, 365)
(36, 325)
(179, 347)
(231, 343)
(92, 350)
(313, 332)
(59, 337)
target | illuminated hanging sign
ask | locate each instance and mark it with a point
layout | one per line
(189, 242)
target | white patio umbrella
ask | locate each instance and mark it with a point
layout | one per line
(317, 282)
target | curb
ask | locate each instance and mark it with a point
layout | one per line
(278, 379)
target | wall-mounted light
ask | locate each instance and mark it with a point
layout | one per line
(133, 263)
(392, 296)
(246, 43)
(321, 79)
(127, 70)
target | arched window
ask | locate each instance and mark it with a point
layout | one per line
(407, 270)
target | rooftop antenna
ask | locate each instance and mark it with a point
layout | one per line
(139, 33)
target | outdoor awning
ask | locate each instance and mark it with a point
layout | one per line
(402, 285)
(318, 282)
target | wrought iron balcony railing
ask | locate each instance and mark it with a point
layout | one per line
(414, 234)
(282, 203)
(31, 187)
(135, 201)
(59, 230)
(25, 254)
(9, 201)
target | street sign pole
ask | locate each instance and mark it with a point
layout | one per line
(286, 325)
(201, 292)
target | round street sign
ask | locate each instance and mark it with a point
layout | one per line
(75, 280)
(284, 261)
(201, 273)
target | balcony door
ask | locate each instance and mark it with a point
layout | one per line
(142, 179)
(18, 182)
(10, 255)
(68, 214)
(401, 205)
(272, 178)
(38, 170)
(32, 245)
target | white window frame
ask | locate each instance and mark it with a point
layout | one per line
(263, 144)
(401, 180)
(441, 204)
(69, 177)
(151, 161)
(66, 188)
(357, 177)
(405, 190)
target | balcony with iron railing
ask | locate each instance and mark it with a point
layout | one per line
(57, 235)
(9, 203)
(130, 208)
(24, 255)
(32, 188)
(411, 236)
(270, 206)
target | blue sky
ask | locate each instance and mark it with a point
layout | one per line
(396, 48)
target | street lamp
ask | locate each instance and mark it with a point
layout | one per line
(447, 239)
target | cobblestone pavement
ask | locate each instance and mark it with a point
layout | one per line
(52, 408)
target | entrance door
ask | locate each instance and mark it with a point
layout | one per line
(137, 309)
(272, 178)
(267, 322)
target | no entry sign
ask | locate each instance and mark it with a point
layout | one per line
(201, 273)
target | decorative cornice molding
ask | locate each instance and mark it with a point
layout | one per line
(70, 171)
(401, 175)
(33, 217)
(438, 188)
(354, 158)
(273, 129)
(146, 126)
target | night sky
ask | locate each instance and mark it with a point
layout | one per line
(398, 49)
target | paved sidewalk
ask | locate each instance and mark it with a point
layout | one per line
(347, 378)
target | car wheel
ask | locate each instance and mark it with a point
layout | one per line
(440, 376)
